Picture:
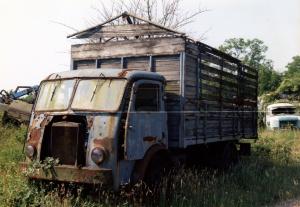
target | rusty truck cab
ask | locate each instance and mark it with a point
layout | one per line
(97, 123)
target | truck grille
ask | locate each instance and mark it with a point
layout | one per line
(288, 123)
(67, 143)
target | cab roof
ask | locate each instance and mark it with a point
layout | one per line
(280, 105)
(129, 74)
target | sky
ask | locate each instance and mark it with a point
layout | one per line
(33, 45)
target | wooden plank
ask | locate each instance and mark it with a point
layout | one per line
(252, 70)
(249, 82)
(140, 63)
(218, 72)
(217, 80)
(136, 47)
(249, 75)
(192, 49)
(129, 30)
(209, 58)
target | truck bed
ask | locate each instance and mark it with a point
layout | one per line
(211, 96)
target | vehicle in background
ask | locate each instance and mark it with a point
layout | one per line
(282, 115)
(16, 105)
(138, 98)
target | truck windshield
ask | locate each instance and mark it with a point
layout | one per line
(99, 94)
(55, 95)
(283, 111)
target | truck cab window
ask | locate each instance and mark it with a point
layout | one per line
(147, 97)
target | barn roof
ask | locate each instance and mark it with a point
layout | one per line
(130, 29)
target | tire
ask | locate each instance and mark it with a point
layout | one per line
(230, 156)
(159, 166)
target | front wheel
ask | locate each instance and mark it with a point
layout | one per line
(159, 166)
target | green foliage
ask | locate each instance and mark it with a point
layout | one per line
(293, 68)
(268, 80)
(253, 53)
(290, 85)
(46, 165)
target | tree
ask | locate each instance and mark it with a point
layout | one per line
(290, 85)
(253, 53)
(168, 13)
(250, 52)
(268, 80)
(293, 68)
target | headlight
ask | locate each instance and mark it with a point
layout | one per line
(30, 151)
(98, 155)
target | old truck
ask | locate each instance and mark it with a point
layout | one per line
(282, 115)
(139, 97)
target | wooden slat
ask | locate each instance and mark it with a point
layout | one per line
(136, 47)
(249, 75)
(218, 71)
(129, 30)
(140, 63)
(217, 80)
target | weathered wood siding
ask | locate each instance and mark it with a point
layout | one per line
(220, 97)
(136, 47)
(129, 30)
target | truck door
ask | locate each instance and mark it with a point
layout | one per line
(146, 120)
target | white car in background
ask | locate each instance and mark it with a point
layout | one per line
(282, 115)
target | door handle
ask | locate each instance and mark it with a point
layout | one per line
(130, 127)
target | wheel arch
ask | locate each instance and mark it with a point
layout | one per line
(139, 170)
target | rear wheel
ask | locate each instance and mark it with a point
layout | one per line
(229, 156)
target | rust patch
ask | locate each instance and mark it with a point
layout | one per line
(44, 122)
(34, 136)
(106, 143)
(123, 73)
(72, 174)
(150, 139)
(90, 121)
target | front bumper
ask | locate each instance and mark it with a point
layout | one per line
(65, 173)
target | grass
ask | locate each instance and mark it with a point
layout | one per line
(270, 175)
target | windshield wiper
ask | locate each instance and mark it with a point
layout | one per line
(95, 89)
(53, 92)
(94, 93)
(55, 87)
